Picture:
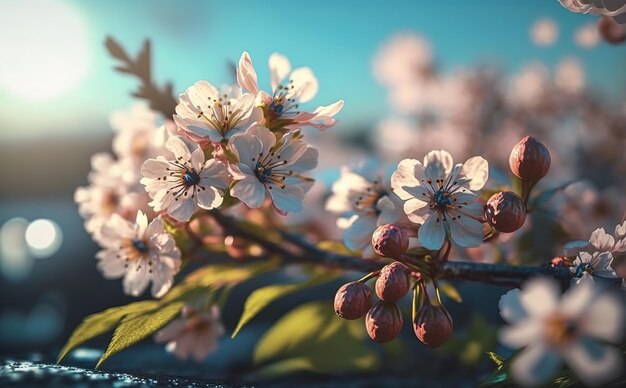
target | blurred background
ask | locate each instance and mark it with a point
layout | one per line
(470, 77)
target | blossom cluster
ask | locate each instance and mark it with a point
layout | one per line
(236, 141)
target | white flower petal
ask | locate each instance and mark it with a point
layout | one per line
(279, 68)
(465, 231)
(162, 280)
(250, 191)
(210, 198)
(178, 147)
(511, 308)
(141, 223)
(540, 296)
(604, 318)
(246, 75)
(136, 279)
(476, 169)
(601, 240)
(432, 233)
(154, 168)
(183, 209)
(594, 363)
(409, 173)
(414, 206)
(438, 164)
(620, 230)
(288, 199)
(110, 265)
(391, 212)
(577, 299)
(305, 84)
(521, 334)
(307, 161)
(535, 365)
(359, 234)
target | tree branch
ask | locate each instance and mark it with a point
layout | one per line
(307, 252)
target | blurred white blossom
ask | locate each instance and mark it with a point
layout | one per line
(195, 334)
(544, 32)
(552, 328)
(140, 252)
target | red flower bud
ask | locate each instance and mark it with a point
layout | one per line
(505, 211)
(393, 282)
(390, 240)
(384, 321)
(611, 31)
(352, 300)
(529, 160)
(432, 325)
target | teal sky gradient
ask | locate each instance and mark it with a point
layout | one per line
(193, 40)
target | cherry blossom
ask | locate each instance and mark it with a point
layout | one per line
(270, 169)
(140, 253)
(440, 196)
(552, 329)
(363, 201)
(289, 90)
(181, 185)
(209, 115)
(195, 334)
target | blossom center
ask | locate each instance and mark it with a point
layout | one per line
(220, 114)
(139, 246)
(559, 329)
(191, 177)
(283, 101)
(268, 170)
(581, 269)
(442, 199)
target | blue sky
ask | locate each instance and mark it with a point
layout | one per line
(193, 39)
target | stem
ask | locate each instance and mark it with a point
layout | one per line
(307, 252)
(369, 276)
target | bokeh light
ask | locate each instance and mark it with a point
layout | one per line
(34, 66)
(15, 259)
(44, 237)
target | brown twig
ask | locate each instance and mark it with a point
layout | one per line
(497, 274)
(161, 99)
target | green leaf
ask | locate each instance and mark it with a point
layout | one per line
(317, 340)
(335, 247)
(262, 297)
(102, 322)
(136, 327)
(216, 276)
(450, 291)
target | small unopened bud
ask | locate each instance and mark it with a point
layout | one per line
(390, 240)
(505, 211)
(393, 282)
(352, 300)
(529, 160)
(384, 321)
(432, 325)
(611, 31)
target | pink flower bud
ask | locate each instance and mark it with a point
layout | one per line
(352, 300)
(384, 321)
(432, 325)
(611, 31)
(505, 211)
(390, 240)
(393, 282)
(529, 160)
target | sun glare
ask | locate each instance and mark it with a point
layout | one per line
(43, 48)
